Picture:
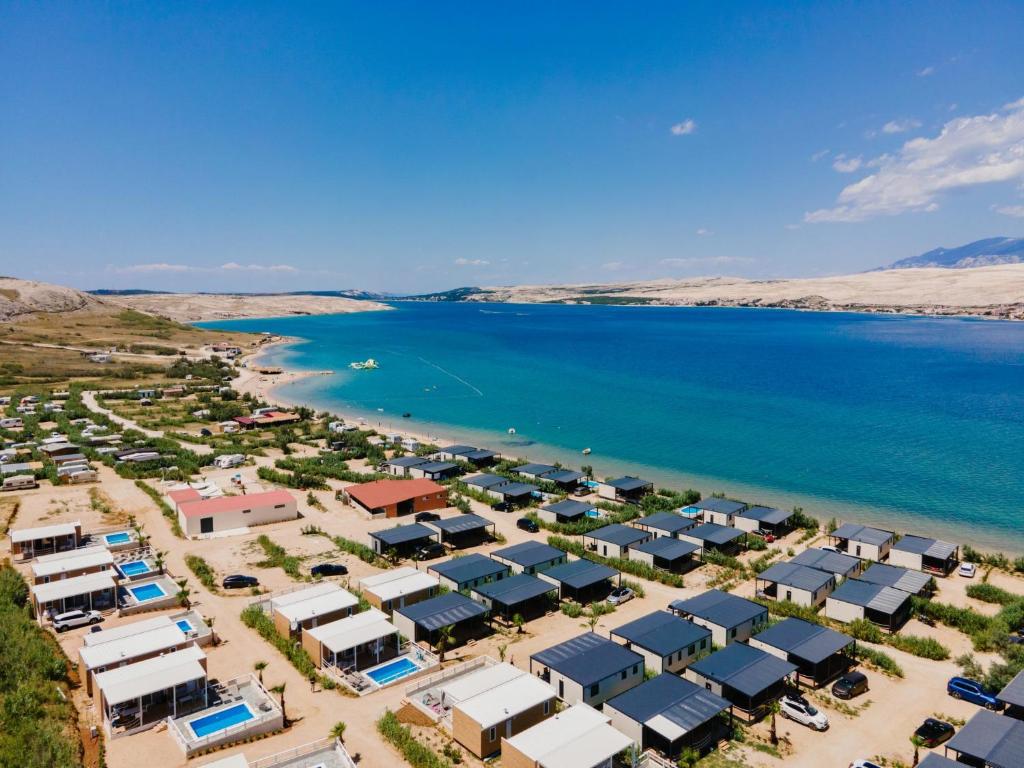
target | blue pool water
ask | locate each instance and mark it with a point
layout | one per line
(134, 568)
(593, 513)
(392, 671)
(912, 422)
(220, 720)
(147, 592)
(117, 538)
(184, 626)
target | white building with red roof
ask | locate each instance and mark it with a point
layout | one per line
(204, 518)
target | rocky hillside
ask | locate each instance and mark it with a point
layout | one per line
(19, 298)
(980, 253)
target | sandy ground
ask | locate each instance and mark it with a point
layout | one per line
(195, 307)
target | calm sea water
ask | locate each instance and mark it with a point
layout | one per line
(913, 422)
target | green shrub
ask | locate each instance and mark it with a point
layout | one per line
(632, 567)
(165, 508)
(925, 647)
(254, 618)
(417, 754)
(278, 557)
(862, 629)
(879, 659)
(363, 552)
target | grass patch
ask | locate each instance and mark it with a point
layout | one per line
(278, 557)
(165, 508)
(203, 571)
(401, 737)
(363, 552)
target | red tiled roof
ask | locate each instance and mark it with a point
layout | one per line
(224, 504)
(384, 493)
(182, 495)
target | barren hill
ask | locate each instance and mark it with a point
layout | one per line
(197, 307)
(28, 297)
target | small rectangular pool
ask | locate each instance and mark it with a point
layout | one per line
(185, 626)
(220, 720)
(134, 568)
(147, 592)
(122, 537)
(392, 671)
(593, 513)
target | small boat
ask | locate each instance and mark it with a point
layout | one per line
(367, 365)
(511, 430)
(406, 415)
(586, 451)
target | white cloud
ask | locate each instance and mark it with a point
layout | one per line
(901, 126)
(821, 153)
(1016, 211)
(233, 266)
(689, 261)
(845, 164)
(967, 152)
(926, 71)
(158, 267)
(792, 226)
(230, 266)
(684, 128)
(612, 266)
(471, 262)
(704, 232)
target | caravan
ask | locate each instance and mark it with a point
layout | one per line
(229, 460)
(19, 483)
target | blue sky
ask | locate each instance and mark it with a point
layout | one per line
(407, 147)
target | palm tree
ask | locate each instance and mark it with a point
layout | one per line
(209, 622)
(502, 650)
(279, 690)
(918, 742)
(338, 731)
(774, 708)
(183, 593)
(518, 620)
(445, 637)
(259, 666)
(159, 560)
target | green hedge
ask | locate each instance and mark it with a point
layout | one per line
(254, 618)
(202, 570)
(165, 508)
(363, 552)
(417, 754)
(632, 567)
(278, 557)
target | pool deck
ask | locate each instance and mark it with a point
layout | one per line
(247, 689)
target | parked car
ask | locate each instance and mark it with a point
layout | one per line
(849, 685)
(583, 490)
(972, 691)
(864, 764)
(526, 524)
(329, 569)
(502, 506)
(429, 551)
(427, 517)
(933, 732)
(620, 595)
(62, 622)
(830, 549)
(967, 570)
(801, 711)
(768, 536)
(238, 581)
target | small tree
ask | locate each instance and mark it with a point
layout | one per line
(159, 560)
(774, 707)
(183, 593)
(445, 637)
(518, 621)
(279, 690)
(210, 621)
(502, 651)
(259, 666)
(338, 731)
(918, 742)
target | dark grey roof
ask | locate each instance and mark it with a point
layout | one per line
(569, 508)
(667, 548)
(516, 489)
(662, 632)
(616, 533)
(723, 506)
(721, 608)
(436, 466)
(714, 533)
(457, 450)
(920, 545)
(406, 461)
(529, 553)
(935, 760)
(563, 476)
(403, 533)
(580, 573)
(768, 515)
(461, 523)
(894, 576)
(995, 739)
(588, 659)
(478, 455)
(681, 702)
(873, 596)
(534, 469)
(629, 483)
(665, 521)
(862, 533)
(749, 670)
(468, 568)
(486, 480)
(441, 611)
(515, 589)
(804, 640)
(797, 576)
(832, 562)
(1013, 693)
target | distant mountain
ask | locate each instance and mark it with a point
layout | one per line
(980, 253)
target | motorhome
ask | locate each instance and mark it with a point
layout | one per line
(19, 483)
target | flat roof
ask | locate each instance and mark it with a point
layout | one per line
(921, 545)
(508, 699)
(874, 596)
(405, 461)
(461, 523)
(515, 589)
(529, 553)
(616, 533)
(354, 630)
(569, 508)
(114, 634)
(721, 608)
(810, 642)
(768, 515)
(722, 506)
(322, 604)
(935, 760)
(72, 560)
(534, 469)
(436, 466)
(443, 610)
(667, 548)
(147, 643)
(833, 562)
(661, 632)
(580, 573)
(468, 568)
(996, 739)
(894, 576)
(563, 476)
(588, 658)
(516, 489)
(478, 454)
(181, 495)
(157, 674)
(628, 483)
(669, 705)
(45, 531)
(1013, 693)
(384, 493)
(226, 504)
(577, 737)
(714, 533)
(665, 521)
(485, 480)
(456, 450)
(402, 534)
(76, 585)
(464, 687)
(390, 585)
(797, 576)
(747, 669)
(862, 533)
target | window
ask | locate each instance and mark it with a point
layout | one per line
(732, 632)
(691, 650)
(492, 734)
(636, 668)
(547, 707)
(276, 506)
(246, 511)
(624, 673)
(594, 689)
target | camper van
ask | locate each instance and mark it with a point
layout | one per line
(83, 476)
(19, 483)
(12, 423)
(228, 461)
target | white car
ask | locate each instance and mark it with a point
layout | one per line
(967, 570)
(863, 764)
(619, 595)
(65, 621)
(801, 711)
(830, 549)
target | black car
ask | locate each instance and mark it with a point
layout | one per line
(502, 506)
(933, 732)
(526, 524)
(328, 569)
(427, 517)
(849, 685)
(429, 551)
(238, 581)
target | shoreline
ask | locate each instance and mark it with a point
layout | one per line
(268, 389)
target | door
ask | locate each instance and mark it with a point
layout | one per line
(206, 525)
(561, 689)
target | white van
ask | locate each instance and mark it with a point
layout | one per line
(83, 476)
(19, 483)
(228, 461)
(11, 423)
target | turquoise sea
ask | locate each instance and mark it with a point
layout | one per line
(914, 423)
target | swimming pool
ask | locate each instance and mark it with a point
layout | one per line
(593, 513)
(134, 568)
(122, 537)
(591, 484)
(147, 592)
(220, 720)
(392, 671)
(185, 626)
